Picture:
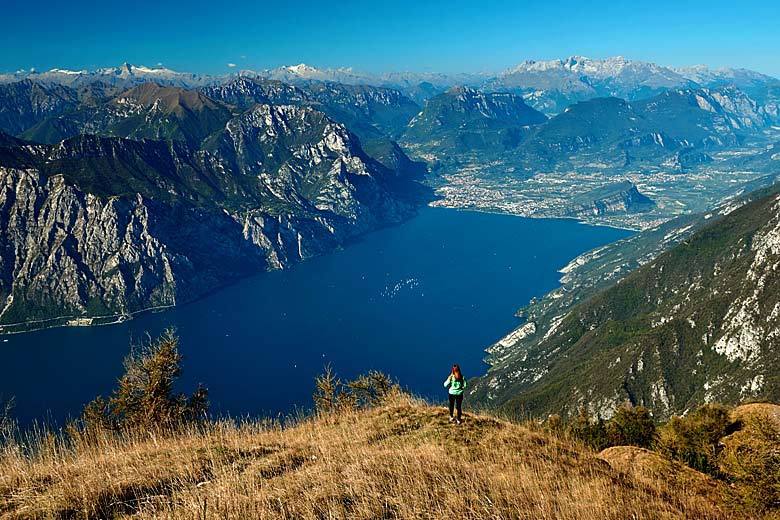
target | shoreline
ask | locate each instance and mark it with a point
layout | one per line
(115, 319)
(68, 321)
(537, 217)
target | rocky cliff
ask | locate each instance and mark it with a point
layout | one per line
(94, 229)
(621, 197)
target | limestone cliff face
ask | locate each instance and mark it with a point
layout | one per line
(622, 197)
(67, 254)
(94, 229)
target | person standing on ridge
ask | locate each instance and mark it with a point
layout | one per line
(456, 383)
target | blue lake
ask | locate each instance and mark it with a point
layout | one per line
(409, 300)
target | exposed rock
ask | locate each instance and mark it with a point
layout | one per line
(622, 197)
(94, 229)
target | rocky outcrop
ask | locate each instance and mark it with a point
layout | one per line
(622, 197)
(94, 229)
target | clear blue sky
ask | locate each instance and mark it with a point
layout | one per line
(446, 36)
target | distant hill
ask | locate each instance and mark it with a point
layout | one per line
(677, 128)
(463, 119)
(25, 103)
(618, 132)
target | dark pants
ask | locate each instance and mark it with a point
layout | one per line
(456, 400)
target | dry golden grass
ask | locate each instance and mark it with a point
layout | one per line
(651, 468)
(762, 410)
(402, 460)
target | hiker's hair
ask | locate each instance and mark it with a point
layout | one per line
(457, 373)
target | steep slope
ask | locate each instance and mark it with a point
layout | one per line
(614, 198)
(147, 111)
(422, 92)
(67, 254)
(463, 118)
(696, 324)
(301, 157)
(398, 461)
(596, 124)
(376, 115)
(24, 104)
(167, 113)
(386, 110)
(673, 126)
(104, 227)
(368, 111)
(767, 96)
(160, 112)
(744, 79)
(245, 91)
(677, 129)
(717, 114)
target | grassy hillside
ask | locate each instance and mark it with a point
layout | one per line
(399, 460)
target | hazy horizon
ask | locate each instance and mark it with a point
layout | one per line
(235, 68)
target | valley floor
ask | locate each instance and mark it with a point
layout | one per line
(497, 187)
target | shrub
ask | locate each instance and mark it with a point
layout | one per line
(144, 398)
(631, 426)
(554, 424)
(366, 390)
(695, 438)
(592, 432)
(750, 461)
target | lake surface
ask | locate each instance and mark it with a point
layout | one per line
(409, 300)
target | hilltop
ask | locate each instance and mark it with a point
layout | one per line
(399, 460)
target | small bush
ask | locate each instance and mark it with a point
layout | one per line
(695, 438)
(750, 462)
(366, 390)
(144, 398)
(631, 426)
(592, 432)
(554, 424)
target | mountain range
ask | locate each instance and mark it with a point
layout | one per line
(675, 127)
(548, 86)
(135, 194)
(159, 194)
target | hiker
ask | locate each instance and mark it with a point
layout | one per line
(456, 383)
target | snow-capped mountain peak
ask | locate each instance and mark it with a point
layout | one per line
(69, 72)
(301, 69)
